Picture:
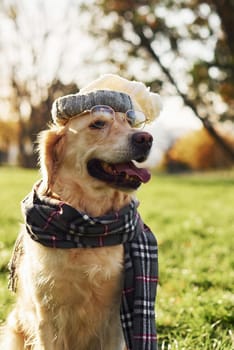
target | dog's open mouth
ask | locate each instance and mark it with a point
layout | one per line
(121, 175)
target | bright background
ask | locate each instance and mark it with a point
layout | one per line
(182, 49)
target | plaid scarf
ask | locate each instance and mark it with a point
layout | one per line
(56, 224)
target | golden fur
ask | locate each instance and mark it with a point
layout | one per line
(68, 299)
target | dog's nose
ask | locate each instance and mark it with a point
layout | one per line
(142, 139)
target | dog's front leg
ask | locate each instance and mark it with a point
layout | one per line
(11, 337)
(45, 338)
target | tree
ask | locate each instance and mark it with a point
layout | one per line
(37, 119)
(34, 50)
(163, 34)
(203, 153)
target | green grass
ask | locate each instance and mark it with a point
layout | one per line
(15, 183)
(193, 219)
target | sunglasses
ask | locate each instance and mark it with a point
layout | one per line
(136, 119)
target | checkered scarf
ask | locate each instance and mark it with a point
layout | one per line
(56, 224)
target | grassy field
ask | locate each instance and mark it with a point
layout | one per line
(193, 219)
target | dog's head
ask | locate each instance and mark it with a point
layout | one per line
(98, 146)
(102, 144)
(96, 142)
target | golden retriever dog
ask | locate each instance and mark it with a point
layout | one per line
(69, 299)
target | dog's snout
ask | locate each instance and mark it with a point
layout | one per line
(142, 139)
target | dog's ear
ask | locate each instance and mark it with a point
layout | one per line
(51, 150)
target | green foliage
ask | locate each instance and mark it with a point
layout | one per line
(192, 217)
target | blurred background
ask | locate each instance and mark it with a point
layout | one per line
(182, 49)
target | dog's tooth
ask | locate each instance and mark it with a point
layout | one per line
(105, 166)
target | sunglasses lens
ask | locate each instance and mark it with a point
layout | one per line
(131, 117)
(103, 111)
(136, 119)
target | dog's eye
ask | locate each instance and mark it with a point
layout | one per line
(98, 124)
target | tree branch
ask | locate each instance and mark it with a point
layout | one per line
(145, 42)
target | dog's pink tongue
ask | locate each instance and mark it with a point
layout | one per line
(131, 170)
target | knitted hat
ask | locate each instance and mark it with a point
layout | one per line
(112, 90)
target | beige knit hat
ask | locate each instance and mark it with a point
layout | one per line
(119, 93)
